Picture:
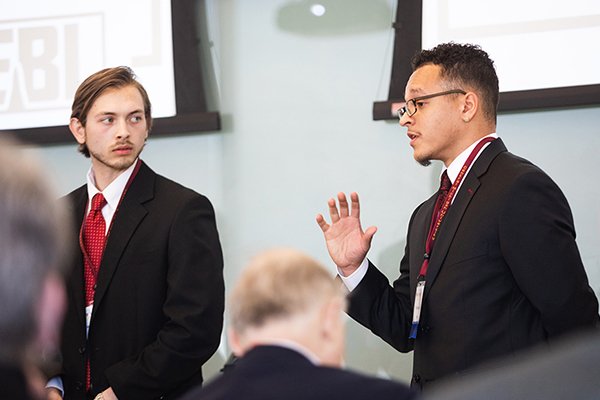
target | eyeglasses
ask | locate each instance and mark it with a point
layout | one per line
(411, 108)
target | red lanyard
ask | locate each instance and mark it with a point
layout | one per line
(436, 220)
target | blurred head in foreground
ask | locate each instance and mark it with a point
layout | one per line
(32, 229)
(285, 296)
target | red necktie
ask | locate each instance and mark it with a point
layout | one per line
(445, 185)
(94, 237)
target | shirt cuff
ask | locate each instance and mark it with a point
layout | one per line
(351, 281)
(57, 384)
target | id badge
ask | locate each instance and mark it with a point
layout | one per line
(417, 309)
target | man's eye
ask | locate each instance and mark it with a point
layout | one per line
(136, 118)
(420, 103)
(107, 120)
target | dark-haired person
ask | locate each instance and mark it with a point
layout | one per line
(146, 292)
(494, 266)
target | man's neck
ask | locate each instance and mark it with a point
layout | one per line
(103, 175)
(291, 345)
(467, 140)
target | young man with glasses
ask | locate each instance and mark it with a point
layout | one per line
(491, 265)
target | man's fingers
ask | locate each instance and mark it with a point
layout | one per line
(344, 212)
(322, 223)
(333, 211)
(369, 233)
(355, 204)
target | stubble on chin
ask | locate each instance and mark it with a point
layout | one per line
(424, 161)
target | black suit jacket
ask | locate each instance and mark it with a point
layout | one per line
(275, 373)
(158, 306)
(504, 273)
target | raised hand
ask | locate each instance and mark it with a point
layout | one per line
(346, 242)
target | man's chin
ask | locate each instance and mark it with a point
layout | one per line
(122, 163)
(423, 161)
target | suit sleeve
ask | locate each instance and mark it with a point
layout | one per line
(385, 310)
(537, 237)
(193, 309)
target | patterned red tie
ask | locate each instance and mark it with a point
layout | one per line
(445, 185)
(94, 237)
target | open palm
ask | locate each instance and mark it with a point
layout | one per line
(346, 242)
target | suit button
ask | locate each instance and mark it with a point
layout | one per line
(425, 329)
(81, 350)
(417, 378)
(78, 385)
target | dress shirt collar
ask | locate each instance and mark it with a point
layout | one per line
(112, 193)
(454, 167)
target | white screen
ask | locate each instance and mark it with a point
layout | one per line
(535, 44)
(47, 48)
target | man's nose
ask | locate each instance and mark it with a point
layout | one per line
(122, 129)
(405, 120)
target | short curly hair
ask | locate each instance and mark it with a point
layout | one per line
(465, 65)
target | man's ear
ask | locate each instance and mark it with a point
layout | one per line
(78, 130)
(235, 342)
(332, 333)
(470, 106)
(333, 312)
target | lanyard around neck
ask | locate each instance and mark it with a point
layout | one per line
(436, 220)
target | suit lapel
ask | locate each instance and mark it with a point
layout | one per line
(419, 230)
(456, 211)
(127, 218)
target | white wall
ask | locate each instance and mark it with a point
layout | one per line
(297, 129)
